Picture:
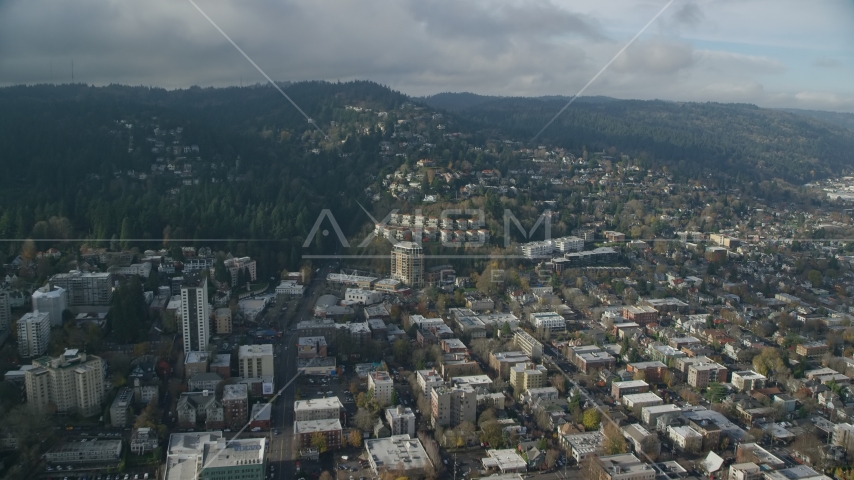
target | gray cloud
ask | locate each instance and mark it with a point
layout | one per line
(519, 47)
(689, 14)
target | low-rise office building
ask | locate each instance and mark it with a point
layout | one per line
(95, 450)
(210, 456)
(396, 453)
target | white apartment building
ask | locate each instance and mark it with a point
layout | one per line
(72, 382)
(547, 320)
(382, 384)
(428, 380)
(568, 244)
(33, 334)
(318, 409)
(363, 297)
(195, 314)
(255, 361)
(534, 250)
(401, 420)
(52, 301)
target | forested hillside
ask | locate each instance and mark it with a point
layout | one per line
(739, 140)
(79, 161)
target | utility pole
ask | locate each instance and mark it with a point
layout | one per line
(455, 466)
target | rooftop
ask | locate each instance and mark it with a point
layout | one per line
(395, 451)
(311, 426)
(318, 404)
(311, 341)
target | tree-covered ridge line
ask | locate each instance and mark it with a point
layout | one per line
(693, 138)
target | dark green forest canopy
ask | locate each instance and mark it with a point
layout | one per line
(63, 154)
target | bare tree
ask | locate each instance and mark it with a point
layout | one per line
(551, 458)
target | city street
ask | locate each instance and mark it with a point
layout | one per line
(283, 455)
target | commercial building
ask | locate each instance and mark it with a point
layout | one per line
(53, 301)
(625, 466)
(120, 408)
(748, 380)
(195, 314)
(210, 456)
(33, 334)
(85, 289)
(72, 383)
(222, 321)
(582, 445)
(407, 264)
(527, 375)
(428, 380)
(620, 389)
(235, 405)
(401, 454)
(547, 322)
(452, 406)
(401, 420)
(700, 375)
(505, 461)
(474, 381)
(260, 416)
(641, 400)
(382, 385)
(318, 409)
(289, 287)
(311, 347)
(256, 361)
(96, 450)
(528, 344)
(329, 429)
(363, 297)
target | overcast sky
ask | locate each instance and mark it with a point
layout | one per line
(774, 53)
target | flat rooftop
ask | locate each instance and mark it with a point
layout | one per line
(395, 451)
(312, 426)
(318, 404)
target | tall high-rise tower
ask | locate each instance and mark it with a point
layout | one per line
(195, 314)
(407, 264)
